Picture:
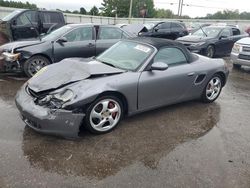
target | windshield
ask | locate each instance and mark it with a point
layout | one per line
(11, 15)
(208, 31)
(57, 33)
(126, 55)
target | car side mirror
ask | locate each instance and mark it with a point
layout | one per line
(62, 40)
(156, 29)
(159, 66)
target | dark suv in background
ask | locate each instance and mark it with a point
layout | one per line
(169, 30)
(24, 24)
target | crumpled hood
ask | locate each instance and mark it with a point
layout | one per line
(135, 28)
(20, 44)
(192, 38)
(68, 71)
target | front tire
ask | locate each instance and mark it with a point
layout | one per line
(213, 89)
(104, 114)
(210, 51)
(34, 64)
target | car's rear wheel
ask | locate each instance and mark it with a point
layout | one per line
(213, 89)
(34, 64)
(104, 114)
(236, 66)
(210, 51)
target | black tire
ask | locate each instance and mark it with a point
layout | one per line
(89, 121)
(236, 66)
(210, 51)
(32, 65)
(205, 98)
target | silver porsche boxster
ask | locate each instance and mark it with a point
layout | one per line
(130, 77)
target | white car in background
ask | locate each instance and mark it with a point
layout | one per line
(240, 54)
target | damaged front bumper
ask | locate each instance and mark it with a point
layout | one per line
(49, 121)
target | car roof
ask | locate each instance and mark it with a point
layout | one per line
(159, 43)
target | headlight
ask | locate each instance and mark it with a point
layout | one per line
(64, 96)
(236, 48)
(198, 44)
(10, 56)
(56, 100)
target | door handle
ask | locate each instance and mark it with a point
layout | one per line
(191, 74)
(32, 28)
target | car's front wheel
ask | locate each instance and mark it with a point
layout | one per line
(213, 89)
(210, 51)
(34, 64)
(104, 114)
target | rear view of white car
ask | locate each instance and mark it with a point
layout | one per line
(240, 54)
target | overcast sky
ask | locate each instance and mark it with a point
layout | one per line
(192, 8)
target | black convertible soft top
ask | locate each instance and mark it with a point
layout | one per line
(160, 43)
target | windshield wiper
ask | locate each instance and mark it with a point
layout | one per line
(110, 64)
(203, 31)
(106, 63)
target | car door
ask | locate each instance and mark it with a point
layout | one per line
(158, 88)
(25, 25)
(162, 30)
(177, 30)
(225, 42)
(107, 36)
(80, 42)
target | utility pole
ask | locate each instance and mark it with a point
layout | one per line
(181, 7)
(130, 11)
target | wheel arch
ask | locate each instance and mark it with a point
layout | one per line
(119, 95)
(223, 76)
(44, 55)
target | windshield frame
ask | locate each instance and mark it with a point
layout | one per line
(143, 64)
(12, 15)
(56, 37)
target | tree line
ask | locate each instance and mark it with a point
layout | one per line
(141, 8)
(17, 4)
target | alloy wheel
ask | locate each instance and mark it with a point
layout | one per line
(105, 115)
(213, 88)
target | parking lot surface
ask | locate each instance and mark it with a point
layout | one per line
(186, 145)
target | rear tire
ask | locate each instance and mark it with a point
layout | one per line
(34, 64)
(104, 114)
(212, 89)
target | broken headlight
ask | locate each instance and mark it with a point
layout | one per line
(11, 56)
(56, 100)
(64, 96)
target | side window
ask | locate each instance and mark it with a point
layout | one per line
(176, 26)
(236, 31)
(226, 32)
(170, 56)
(26, 18)
(110, 33)
(50, 17)
(79, 34)
(165, 25)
